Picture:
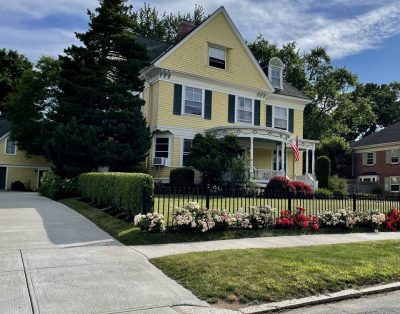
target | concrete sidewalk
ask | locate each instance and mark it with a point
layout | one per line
(158, 250)
(53, 260)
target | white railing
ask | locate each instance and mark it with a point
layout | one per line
(309, 179)
(266, 174)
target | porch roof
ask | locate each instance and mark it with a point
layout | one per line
(251, 131)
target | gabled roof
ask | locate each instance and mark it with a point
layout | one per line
(389, 134)
(5, 127)
(155, 47)
(163, 53)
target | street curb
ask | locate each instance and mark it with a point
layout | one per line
(319, 299)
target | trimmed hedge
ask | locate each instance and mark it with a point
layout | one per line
(323, 170)
(118, 189)
(280, 186)
(182, 177)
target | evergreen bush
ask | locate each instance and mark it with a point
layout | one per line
(125, 191)
(182, 177)
(323, 170)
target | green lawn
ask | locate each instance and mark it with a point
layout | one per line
(264, 275)
(129, 235)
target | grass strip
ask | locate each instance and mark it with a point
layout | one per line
(127, 234)
(255, 276)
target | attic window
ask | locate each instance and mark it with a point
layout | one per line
(216, 57)
(275, 72)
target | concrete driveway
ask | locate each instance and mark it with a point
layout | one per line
(53, 260)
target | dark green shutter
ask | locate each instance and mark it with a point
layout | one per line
(208, 104)
(178, 99)
(231, 108)
(269, 116)
(256, 112)
(291, 120)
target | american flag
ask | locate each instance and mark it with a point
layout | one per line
(295, 147)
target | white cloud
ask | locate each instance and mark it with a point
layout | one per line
(311, 23)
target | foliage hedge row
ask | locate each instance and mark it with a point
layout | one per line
(182, 177)
(121, 190)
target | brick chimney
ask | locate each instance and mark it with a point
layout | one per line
(184, 28)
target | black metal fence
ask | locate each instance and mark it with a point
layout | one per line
(167, 198)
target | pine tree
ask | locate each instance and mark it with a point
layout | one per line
(100, 95)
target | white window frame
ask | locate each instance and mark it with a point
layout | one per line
(398, 184)
(237, 110)
(169, 158)
(373, 159)
(182, 147)
(209, 55)
(5, 147)
(287, 117)
(372, 178)
(391, 156)
(183, 105)
(270, 66)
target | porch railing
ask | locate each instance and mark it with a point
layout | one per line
(266, 174)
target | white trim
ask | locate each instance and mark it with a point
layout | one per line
(183, 97)
(5, 147)
(169, 136)
(26, 166)
(4, 136)
(287, 117)
(372, 177)
(219, 47)
(197, 29)
(237, 109)
(280, 71)
(376, 145)
(183, 138)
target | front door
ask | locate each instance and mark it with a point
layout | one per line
(3, 172)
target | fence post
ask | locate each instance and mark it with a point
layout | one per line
(354, 202)
(207, 197)
(144, 202)
(289, 199)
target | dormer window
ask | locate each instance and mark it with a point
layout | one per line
(275, 72)
(216, 57)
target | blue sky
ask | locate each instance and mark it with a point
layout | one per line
(361, 35)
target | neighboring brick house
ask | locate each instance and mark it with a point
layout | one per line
(377, 156)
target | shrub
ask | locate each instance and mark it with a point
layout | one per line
(261, 217)
(344, 218)
(323, 170)
(298, 219)
(18, 186)
(372, 219)
(182, 177)
(151, 222)
(393, 220)
(322, 193)
(280, 186)
(55, 187)
(239, 171)
(337, 184)
(302, 189)
(124, 191)
(378, 190)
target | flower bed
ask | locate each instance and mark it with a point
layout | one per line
(194, 218)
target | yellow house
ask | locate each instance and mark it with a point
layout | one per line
(15, 165)
(210, 82)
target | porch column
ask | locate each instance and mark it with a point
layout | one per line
(283, 146)
(307, 161)
(251, 156)
(313, 162)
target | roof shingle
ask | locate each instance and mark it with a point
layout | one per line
(389, 134)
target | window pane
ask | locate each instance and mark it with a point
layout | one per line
(162, 145)
(193, 100)
(187, 144)
(217, 53)
(245, 110)
(395, 188)
(10, 147)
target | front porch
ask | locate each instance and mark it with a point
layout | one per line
(271, 154)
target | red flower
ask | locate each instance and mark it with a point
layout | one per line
(315, 227)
